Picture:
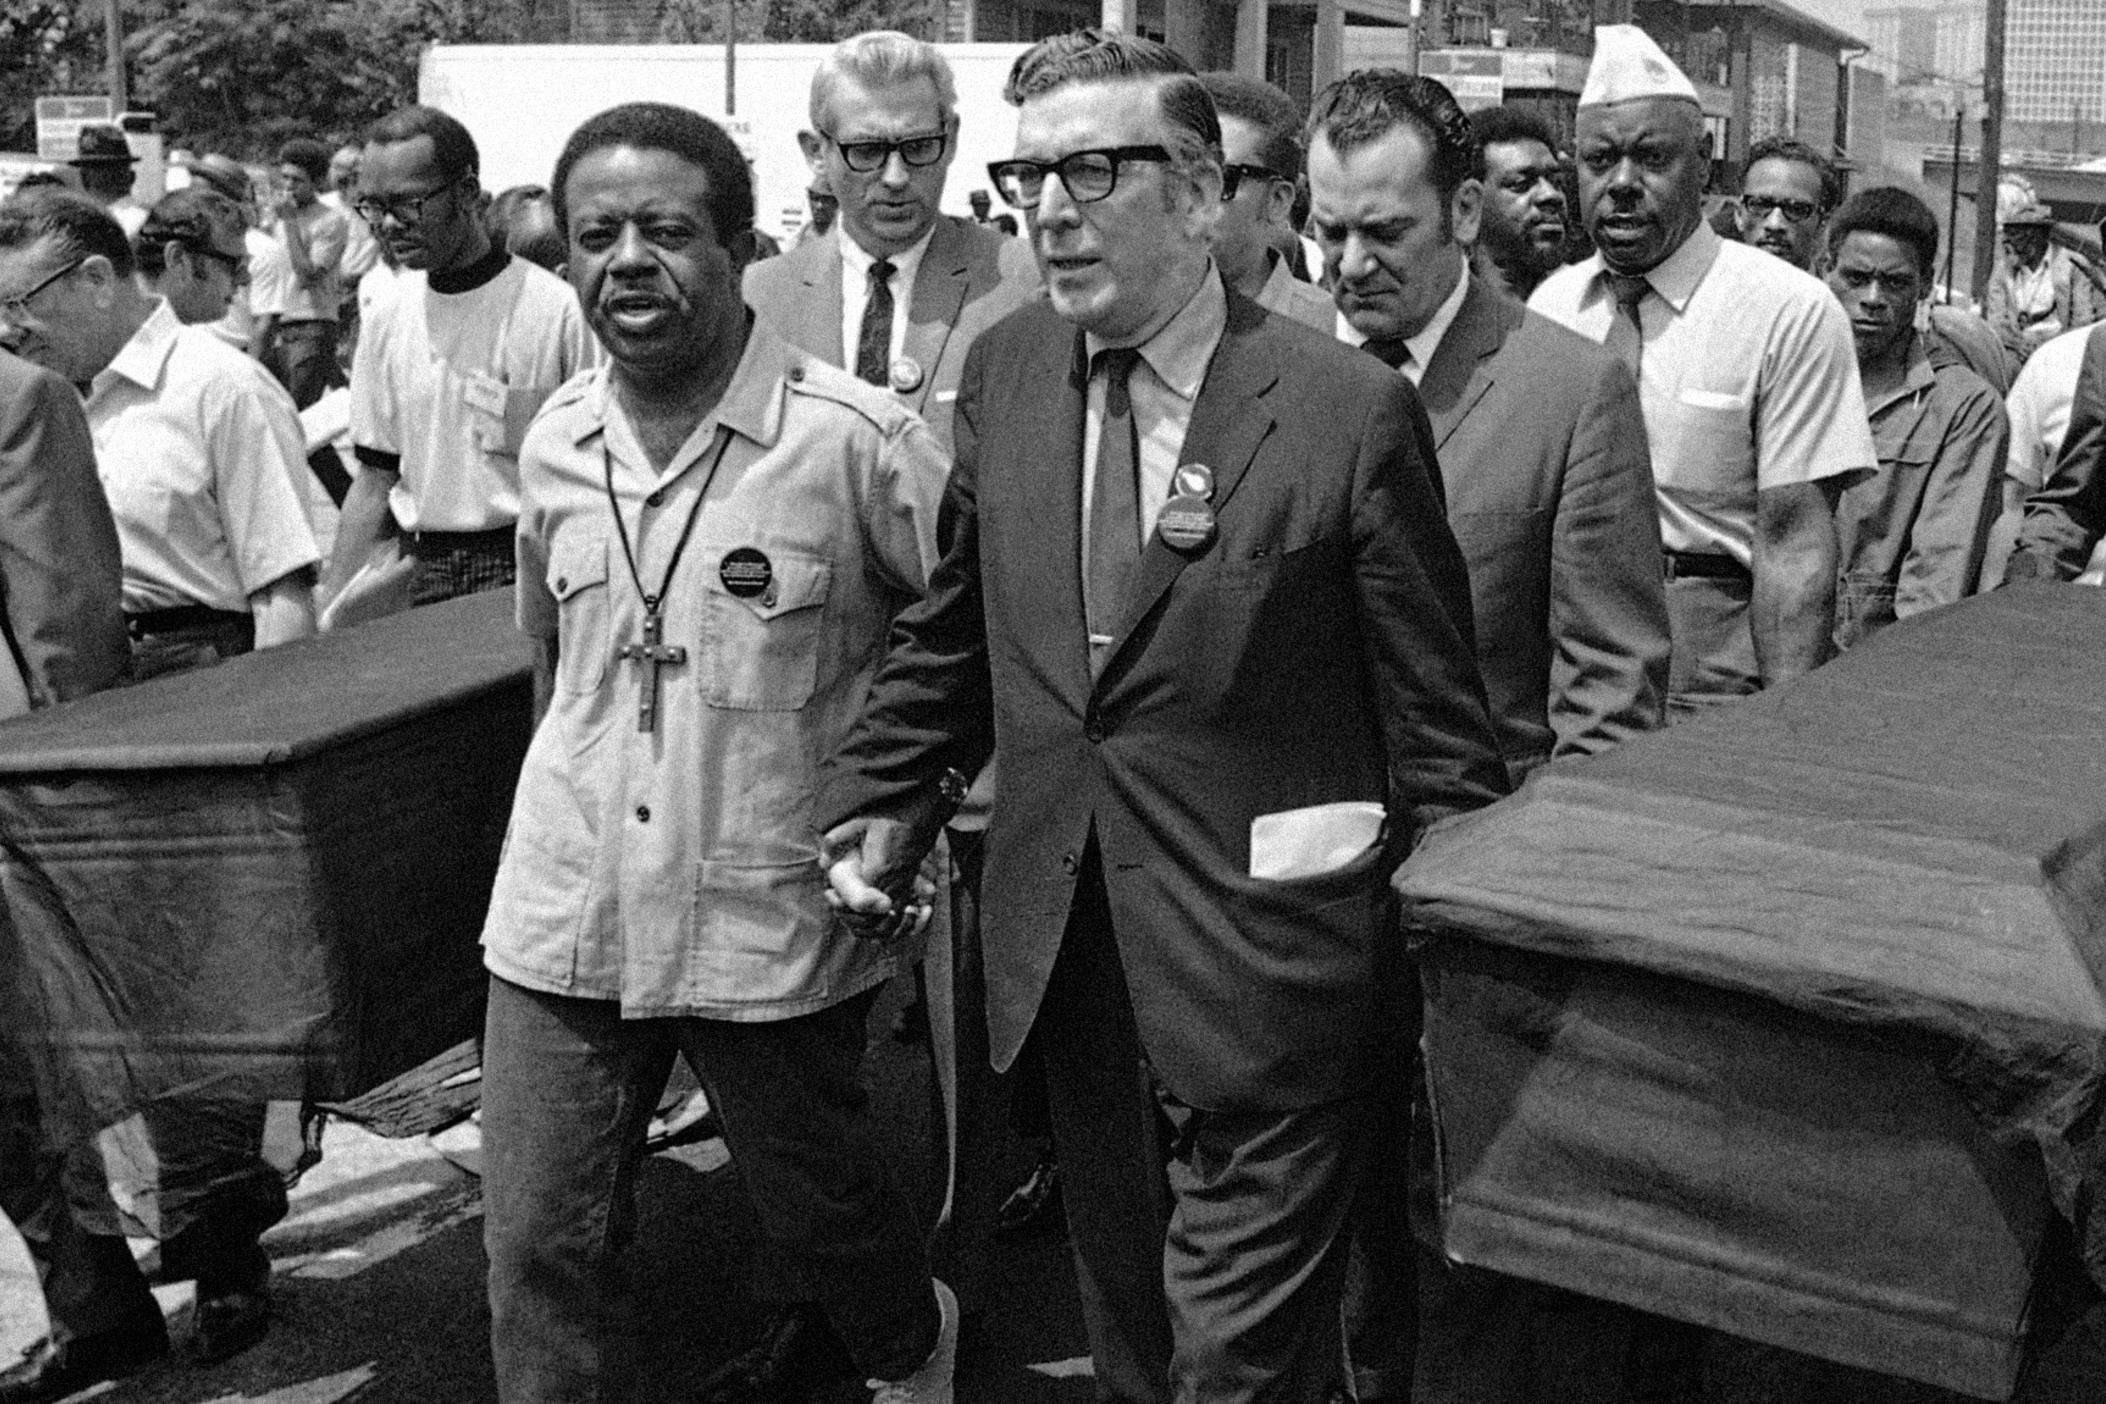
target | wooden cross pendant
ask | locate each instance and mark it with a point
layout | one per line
(651, 654)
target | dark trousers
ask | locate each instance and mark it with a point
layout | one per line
(302, 355)
(1209, 1245)
(568, 1087)
(455, 563)
(91, 1285)
(1712, 660)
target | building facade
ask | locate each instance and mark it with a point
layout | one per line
(2055, 61)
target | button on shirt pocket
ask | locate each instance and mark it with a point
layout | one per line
(577, 577)
(764, 648)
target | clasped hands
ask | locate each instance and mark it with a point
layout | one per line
(873, 883)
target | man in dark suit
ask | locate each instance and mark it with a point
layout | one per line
(1199, 593)
(1550, 494)
(64, 625)
(895, 291)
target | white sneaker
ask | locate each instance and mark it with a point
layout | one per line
(931, 1384)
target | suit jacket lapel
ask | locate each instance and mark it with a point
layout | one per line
(939, 293)
(1230, 420)
(1460, 374)
(1045, 536)
(821, 274)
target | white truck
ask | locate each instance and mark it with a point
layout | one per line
(522, 101)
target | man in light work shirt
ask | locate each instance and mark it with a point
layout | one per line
(716, 533)
(895, 291)
(1746, 373)
(1261, 153)
(452, 365)
(302, 347)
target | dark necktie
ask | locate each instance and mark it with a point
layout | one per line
(1390, 350)
(1627, 332)
(1115, 507)
(874, 340)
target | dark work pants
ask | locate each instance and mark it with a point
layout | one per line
(1713, 658)
(1218, 1281)
(91, 1285)
(568, 1088)
(302, 355)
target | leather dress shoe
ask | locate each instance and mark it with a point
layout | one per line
(795, 1356)
(54, 1369)
(230, 1316)
(1034, 1205)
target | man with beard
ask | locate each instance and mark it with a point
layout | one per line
(723, 507)
(1746, 373)
(1521, 231)
(451, 366)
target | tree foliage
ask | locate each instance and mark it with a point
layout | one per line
(240, 76)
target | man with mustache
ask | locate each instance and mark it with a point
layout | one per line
(1746, 374)
(1522, 225)
(716, 531)
(452, 364)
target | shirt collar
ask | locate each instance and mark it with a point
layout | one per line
(1917, 377)
(1675, 277)
(751, 405)
(1428, 340)
(144, 356)
(1182, 347)
(856, 261)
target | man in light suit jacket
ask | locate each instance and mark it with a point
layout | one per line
(884, 113)
(1550, 494)
(1197, 576)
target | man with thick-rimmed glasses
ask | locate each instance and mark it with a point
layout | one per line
(452, 365)
(895, 291)
(1198, 579)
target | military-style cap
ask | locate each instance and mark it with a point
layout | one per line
(1628, 65)
(103, 146)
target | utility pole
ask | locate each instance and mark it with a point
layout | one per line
(731, 58)
(1991, 155)
(1952, 211)
(113, 39)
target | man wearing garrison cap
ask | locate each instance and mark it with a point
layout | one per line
(1746, 373)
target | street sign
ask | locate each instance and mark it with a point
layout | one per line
(59, 120)
(1476, 79)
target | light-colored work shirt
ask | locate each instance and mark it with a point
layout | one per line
(1748, 379)
(361, 246)
(1285, 295)
(325, 229)
(1162, 388)
(2039, 406)
(450, 382)
(1911, 537)
(678, 870)
(201, 457)
(855, 294)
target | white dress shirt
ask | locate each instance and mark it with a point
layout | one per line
(855, 294)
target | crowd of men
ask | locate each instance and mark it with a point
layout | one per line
(1302, 479)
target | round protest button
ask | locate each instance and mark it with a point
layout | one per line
(1193, 480)
(1186, 523)
(905, 375)
(746, 572)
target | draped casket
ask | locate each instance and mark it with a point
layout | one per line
(266, 879)
(1790, 1021)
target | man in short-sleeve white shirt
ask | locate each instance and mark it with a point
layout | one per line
(1747, 376)
(452, 366)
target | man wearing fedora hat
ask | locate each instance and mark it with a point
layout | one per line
(105, 164)
(2038, 291)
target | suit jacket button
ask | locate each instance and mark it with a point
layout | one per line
(1070, 864)
(1094, 730)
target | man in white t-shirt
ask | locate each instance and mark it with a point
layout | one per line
(452, 365)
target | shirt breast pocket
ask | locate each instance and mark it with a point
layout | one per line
(577, 577)
(764, 647)
(1716, 442)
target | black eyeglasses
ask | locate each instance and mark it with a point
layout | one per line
(407, 209)
(1759, 208)
(1236, 172)
(18, 304)
(1085, 175)
(237, 265)
(916, 151)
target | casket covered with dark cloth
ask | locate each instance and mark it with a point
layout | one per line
(263, 880)
(1790, 1020)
